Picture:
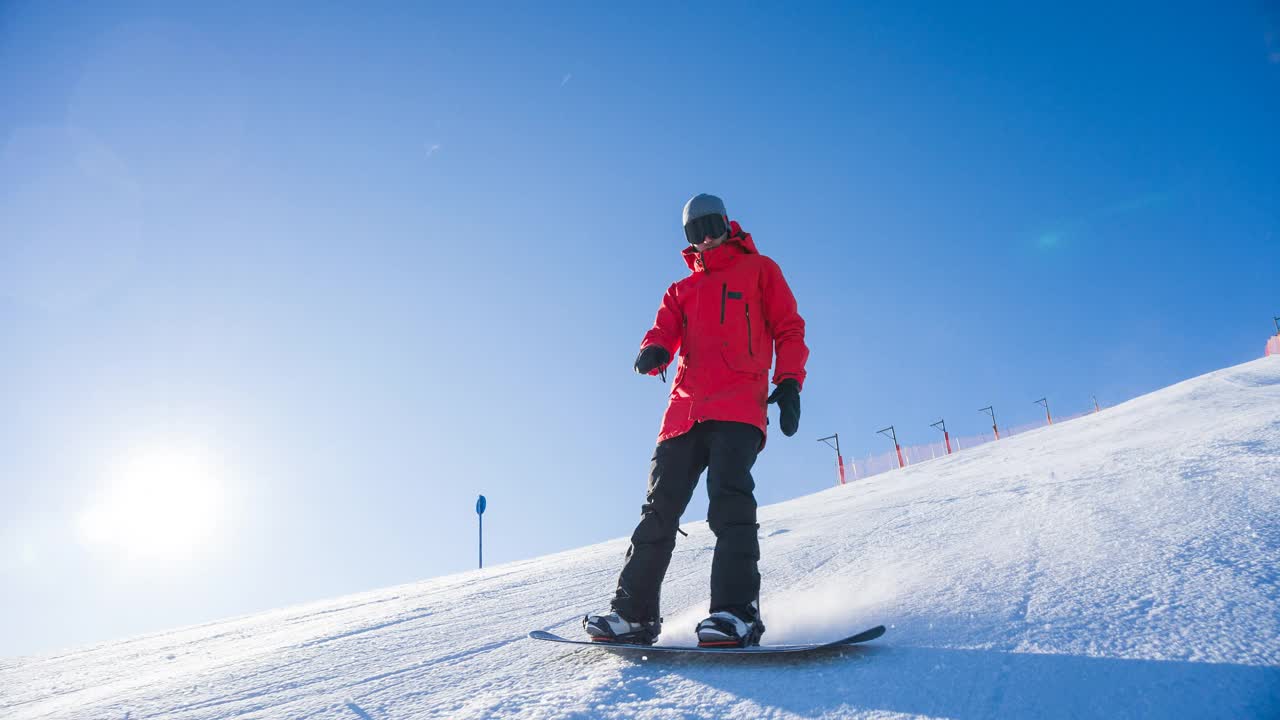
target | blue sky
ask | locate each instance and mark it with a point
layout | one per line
(323, 276)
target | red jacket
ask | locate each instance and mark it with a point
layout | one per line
(727, 319)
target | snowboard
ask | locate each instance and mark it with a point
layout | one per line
(861, 637)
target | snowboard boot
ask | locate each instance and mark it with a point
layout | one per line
(614, 628)
(735, 627)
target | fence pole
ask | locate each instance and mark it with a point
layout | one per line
(992, 411)
(896, 446)
(839, 457)
(1045, 403)
(946, 436)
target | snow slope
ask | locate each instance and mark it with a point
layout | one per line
(1122, 564)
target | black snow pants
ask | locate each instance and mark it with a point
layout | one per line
(726, 450)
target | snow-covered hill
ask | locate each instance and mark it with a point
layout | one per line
(1123, 564)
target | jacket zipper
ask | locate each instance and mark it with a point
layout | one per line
(684, 337)
(724, 291)
(750, 350)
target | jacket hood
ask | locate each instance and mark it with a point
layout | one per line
(738, 243)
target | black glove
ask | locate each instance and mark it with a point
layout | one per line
(787, 395)
(651, 358)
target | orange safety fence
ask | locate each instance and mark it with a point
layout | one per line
(873, 464)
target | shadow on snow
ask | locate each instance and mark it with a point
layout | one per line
(969, 683)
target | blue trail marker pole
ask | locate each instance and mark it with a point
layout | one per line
(480, 506)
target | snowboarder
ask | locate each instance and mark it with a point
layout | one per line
(727, 320)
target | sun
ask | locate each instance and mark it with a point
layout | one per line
(156, 503)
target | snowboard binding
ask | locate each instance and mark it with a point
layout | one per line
(737, 628)
(614, 628)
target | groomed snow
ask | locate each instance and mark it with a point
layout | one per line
(1123, 564)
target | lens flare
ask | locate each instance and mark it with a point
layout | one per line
(157, 504)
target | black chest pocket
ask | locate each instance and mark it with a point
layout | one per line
(739, 328)
(726, 296)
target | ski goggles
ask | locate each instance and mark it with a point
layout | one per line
(699, 229)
